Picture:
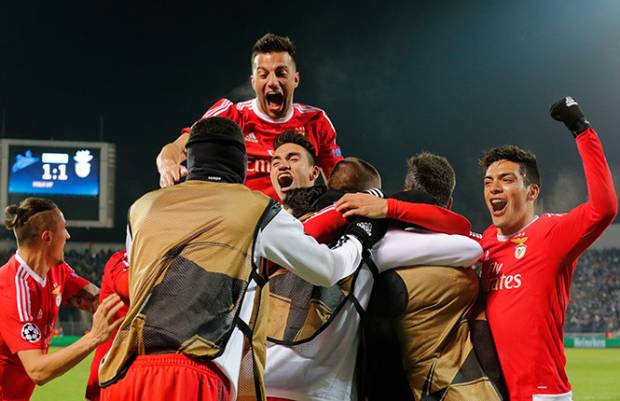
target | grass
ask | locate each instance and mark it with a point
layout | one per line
(69, 387)
(594, 374)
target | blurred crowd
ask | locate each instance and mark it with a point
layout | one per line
(594, 304)
(86, 263)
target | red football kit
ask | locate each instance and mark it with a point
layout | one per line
(28, 309)
(260, 130)
(115, 280)
(527, 278)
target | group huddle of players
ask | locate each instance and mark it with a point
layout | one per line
(250, 279)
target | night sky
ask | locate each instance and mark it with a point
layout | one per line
(452, 78)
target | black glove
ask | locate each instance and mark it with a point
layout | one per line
(568, 111)
(368, 231)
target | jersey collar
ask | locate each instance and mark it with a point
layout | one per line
(507, 237)
(265, 117)
(29, 270)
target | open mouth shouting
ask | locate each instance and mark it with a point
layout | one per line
(285, 181)
(275, 102)
(498, 206)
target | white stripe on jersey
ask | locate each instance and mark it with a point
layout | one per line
(18, 293)
(245, 104)
(304, 108)
(27, 294)
(323, 211)
(23, 294)
(218, 110)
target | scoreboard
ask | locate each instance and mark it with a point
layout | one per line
(77, 176)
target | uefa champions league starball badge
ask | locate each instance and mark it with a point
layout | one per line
(31, 333)
(82, 163)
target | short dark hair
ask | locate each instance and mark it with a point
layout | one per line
(270, 43)
(28, 218)
(353, 175)
(295, 137)
(524, 158)
(215, 128)
(433, 174)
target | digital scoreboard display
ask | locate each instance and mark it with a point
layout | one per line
(77, 176)
(38, 170)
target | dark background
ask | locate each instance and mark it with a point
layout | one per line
(450, 77)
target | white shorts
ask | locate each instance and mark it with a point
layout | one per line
(553, 397)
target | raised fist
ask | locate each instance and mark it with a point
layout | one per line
(568, 111)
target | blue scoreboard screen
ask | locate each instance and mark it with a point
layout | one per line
(40, 170)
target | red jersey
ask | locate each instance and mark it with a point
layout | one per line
(527, 278)
(28, 309)
(115, 280)
(260, 130)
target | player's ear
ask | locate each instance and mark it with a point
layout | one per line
(533, 191)
(46, 236)
(296, 79)
(315, 172)
(449, 205)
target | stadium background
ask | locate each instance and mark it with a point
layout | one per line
(450, 77)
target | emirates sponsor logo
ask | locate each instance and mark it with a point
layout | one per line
(499, 281)
(259, 166)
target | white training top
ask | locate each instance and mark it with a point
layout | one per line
(323, 369)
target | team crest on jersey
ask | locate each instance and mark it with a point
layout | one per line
(31, 333)
(521, 248)
(58, 294)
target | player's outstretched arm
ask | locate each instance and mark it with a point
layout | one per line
(588, 220)
(42, 368)
(169, 161)
(283, 242)
(404, 248)
(431, 217)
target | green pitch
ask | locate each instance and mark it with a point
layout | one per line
(68, 387)
(593, 373)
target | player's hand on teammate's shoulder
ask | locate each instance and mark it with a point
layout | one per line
(362, 204)
(568, 111)
(170, 173)
(103, 320)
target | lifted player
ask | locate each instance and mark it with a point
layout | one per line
(529, 260)
(33, 284)
(274, 80)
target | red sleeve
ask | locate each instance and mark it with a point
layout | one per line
(581, 226)
(12, 328)
(73, 283)
(116, 277)
(431, 217)
(326, 225)
(221, 108)
(329, 152)
(121, 284)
